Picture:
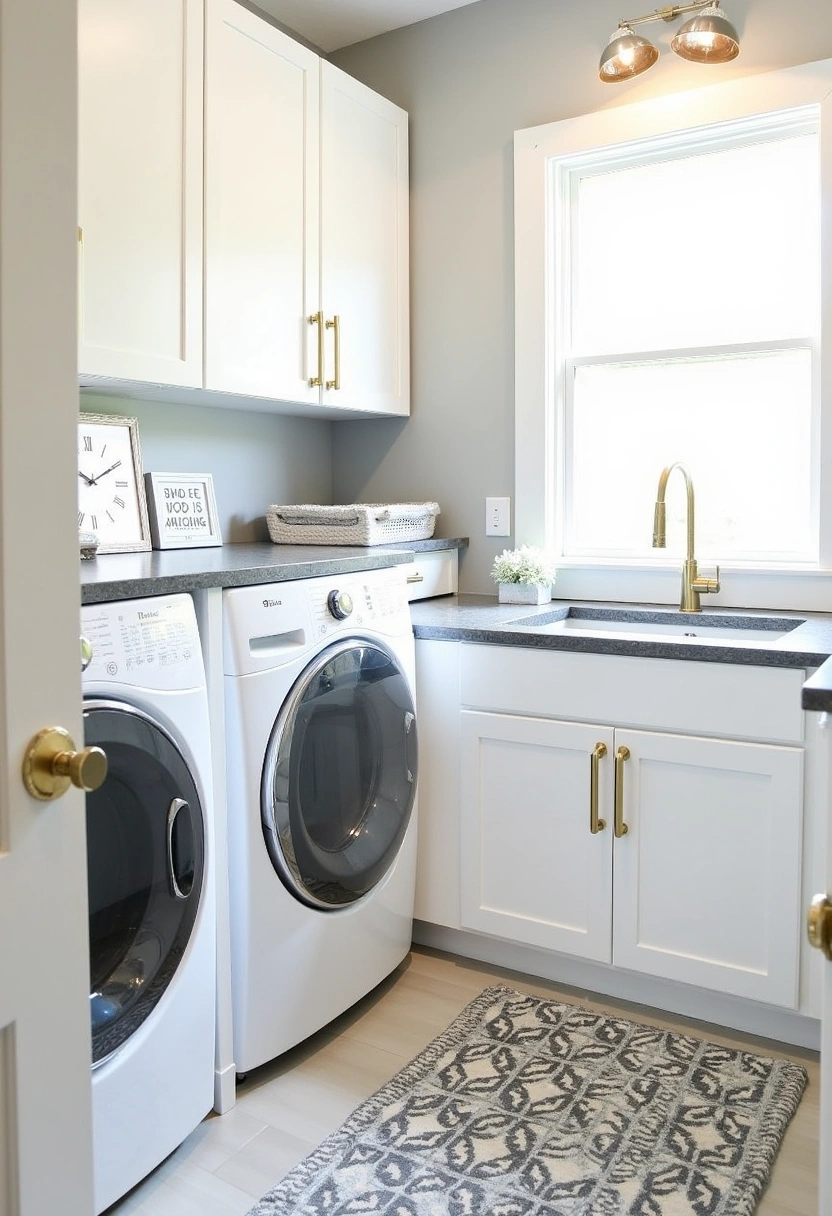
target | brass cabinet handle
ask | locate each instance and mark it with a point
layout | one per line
(415, 578)
(596, 825)
(335, 324)
(51, 764)
(317, 318)
(620, 827)
(819, 925)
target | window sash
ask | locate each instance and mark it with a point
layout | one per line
(564, 524)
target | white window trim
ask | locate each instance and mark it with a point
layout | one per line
(536, 153)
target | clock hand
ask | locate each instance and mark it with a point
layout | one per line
(89, 480)
(100, 475)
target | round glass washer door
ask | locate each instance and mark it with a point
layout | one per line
(339, 778)
(145, 866)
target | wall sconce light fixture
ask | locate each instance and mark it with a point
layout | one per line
(708, 37)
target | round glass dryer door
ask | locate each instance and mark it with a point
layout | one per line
(339, 778)
(145, 859)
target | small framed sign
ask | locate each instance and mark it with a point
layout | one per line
(182, 510)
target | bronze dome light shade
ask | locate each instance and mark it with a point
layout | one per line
(707, 37)
(626, 54)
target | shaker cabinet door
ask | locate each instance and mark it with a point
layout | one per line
(261, 208)
(364, 247)
(707, 879)
(140, 190)
(533, 871)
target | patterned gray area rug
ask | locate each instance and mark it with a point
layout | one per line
(530, 1107)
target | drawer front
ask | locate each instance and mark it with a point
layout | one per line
(720, 699)
(433, 573)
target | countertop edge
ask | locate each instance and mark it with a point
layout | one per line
(122, 576)
(817, 691)
(481, 619)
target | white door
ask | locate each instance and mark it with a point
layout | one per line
(364, 246)
(261, 209)
(533, 868)
(45, 1141)
(714, 829)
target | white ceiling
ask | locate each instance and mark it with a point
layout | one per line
(331, 24)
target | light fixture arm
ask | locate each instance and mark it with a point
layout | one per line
(669, 13)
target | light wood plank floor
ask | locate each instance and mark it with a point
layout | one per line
(285, 1108)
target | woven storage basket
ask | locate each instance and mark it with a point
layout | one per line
(360, 523)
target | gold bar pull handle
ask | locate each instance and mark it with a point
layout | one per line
(596, 825)
(317, 318)
(335, 324)
(620, 826)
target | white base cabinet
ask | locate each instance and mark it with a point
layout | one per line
(704, 887)
(704, 764)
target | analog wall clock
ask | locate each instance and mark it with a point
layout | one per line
(111, 496)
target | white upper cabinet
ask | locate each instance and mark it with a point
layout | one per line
(306, 214)
(298, 288)
(261, 206)
(364, 247)
(140, 190)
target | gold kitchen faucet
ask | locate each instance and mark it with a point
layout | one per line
(692, 584)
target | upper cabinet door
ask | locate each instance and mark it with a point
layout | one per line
(140, 190)
(261, 208)
(364, 247)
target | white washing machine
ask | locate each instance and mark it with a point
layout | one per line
(151, 886)
(322, 766)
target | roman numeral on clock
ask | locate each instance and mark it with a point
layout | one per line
(88, 443)
(118, 501)
(94, 522)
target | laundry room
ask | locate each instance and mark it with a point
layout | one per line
(417, 836)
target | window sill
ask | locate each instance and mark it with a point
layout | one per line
(800, 589)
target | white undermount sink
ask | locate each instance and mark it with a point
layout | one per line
(635, 624)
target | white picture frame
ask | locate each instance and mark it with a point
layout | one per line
(182, 510)
(119, 517)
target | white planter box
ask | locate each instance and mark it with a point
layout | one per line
(524, 593)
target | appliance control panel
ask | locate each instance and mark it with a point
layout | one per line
(151, 643)
(357, 601)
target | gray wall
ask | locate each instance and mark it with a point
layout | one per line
(255, 459)
(469, 79)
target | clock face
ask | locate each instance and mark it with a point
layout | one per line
(110, 502)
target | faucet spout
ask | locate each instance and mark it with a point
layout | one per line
(693, 586)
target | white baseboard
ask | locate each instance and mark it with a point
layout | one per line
(750, 1017)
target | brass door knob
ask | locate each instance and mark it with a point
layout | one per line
(819, 924)
(51, 764)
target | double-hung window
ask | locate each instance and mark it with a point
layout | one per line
(670, 307)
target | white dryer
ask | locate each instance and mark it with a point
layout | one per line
(151, 886)
(322, 766)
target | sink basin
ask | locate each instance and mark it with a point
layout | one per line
(672, 627)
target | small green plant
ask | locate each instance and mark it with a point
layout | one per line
(524, 565)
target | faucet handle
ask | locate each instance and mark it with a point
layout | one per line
(707, 586)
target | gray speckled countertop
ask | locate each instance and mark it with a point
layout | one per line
(472, 618)
(480, 618)
(124, 576)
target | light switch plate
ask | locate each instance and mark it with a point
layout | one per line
(498, 517)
